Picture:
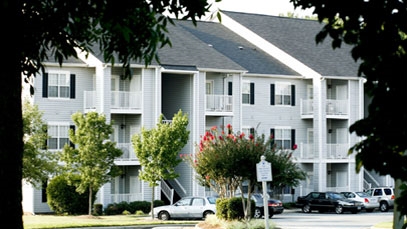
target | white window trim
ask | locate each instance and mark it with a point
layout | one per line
(279, 84)
(246, 82)
(59, 72)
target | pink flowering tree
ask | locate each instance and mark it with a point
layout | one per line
(224, 159)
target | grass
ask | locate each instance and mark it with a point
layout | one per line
(54, 221)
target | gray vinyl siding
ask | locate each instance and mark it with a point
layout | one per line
(52, 106)
(266, 116)
(150, 88)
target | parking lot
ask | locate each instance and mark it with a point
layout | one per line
(295, 219)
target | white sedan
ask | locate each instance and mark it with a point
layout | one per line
(369, 202)
(192, 207)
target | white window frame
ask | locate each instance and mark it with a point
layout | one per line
(58, 131)
(246, 91)
(55, 80)
(282, 134)
(282, 91)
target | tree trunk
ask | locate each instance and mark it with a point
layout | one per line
(152, 203)
(11, 141)
(90, 201)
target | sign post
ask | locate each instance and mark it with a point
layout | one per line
(263, 172)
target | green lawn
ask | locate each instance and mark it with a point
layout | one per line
(52, 221)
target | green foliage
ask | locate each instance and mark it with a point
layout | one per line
(221, 208)
(157, 149)
(377, 32)
(63, 198)
(98, 209)
(93, 159)
(218, 153)
(158, 203)
(143, 207)
(232, 208)
(38, 162)
(131, 30)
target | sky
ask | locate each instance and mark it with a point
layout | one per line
(268, 7)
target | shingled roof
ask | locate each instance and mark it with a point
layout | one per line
(297, 38)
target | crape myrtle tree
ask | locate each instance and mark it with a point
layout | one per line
(157, 150)
(225, 159)
(38, 162)
(91, 154)
(122, 30)
(377, 31)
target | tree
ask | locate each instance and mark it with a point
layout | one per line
(218, 153)
(38, 162)
(157, 150)
(377, 31)
(123, 30)
(93, 159)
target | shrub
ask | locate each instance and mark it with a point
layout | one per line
(63, 198)
(98, 209)
(158, 203)
(221, 208)
(112, 209)
(143, 206)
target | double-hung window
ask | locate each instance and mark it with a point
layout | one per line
(247, 93)
(58, 84)
(283, 137)
(58, 136)
(282, 94)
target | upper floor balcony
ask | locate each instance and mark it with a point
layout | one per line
(219, 105)
(121, 101)
(128, 152)
(334, 108)
(333, 151)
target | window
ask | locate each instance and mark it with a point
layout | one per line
(59, 136)
(282, 94)
(58, 85)
(44, 191)
(248, 93)
(283, 137)
(247, 131)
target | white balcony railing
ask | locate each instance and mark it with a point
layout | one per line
(128, 152)
(126, 100)
(333, 107)
(219, 103)
(306, 151)
(119, 100)
(338, 151)
(126, 197)
(333, 151)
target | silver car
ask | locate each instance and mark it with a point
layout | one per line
(369, 202)
(192, 207)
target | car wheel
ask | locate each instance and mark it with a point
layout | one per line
(306, 208)
(339, 209)
(205, 214)
(164, 215)
(257, 213)
(384, 207)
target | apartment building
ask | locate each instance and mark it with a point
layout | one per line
(256, 72)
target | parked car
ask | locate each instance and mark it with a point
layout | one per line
(274, 206)
(369, 202)
(192, 207)
(385, 197)
(327, 201)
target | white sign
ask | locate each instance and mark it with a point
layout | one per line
(264, 171)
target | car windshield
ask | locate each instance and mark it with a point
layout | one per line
(212, 200)
(336, 196)
(362, 194)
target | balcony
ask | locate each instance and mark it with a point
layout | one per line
(334, 108)
(127, 197)
(121, 101)
(128, 152)
(333, 151)
(337, 151)
(219, 104)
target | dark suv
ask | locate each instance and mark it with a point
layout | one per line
(385, 197)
